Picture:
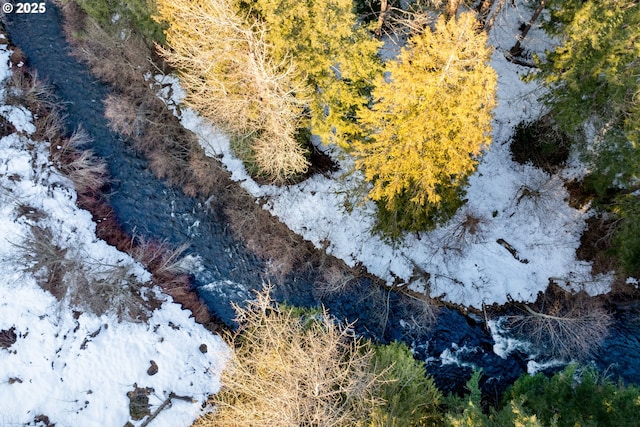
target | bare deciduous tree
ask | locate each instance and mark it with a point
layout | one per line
(287, 370)
(566, 325)
(230, 76)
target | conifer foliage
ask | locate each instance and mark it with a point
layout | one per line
(125, 15)
(428, 125)
(335, 56)
(593, 77)
(228, 70)
(593, 80)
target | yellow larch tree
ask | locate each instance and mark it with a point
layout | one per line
(429, 123)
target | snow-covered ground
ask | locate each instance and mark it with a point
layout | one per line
(527, 233)
(61, 362)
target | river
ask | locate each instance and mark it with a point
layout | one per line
(452, 347)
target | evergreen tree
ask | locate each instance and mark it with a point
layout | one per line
(126, 14)
(575, 396)
(593, 78)
(429, 123)
(334, 55)
(410, 396)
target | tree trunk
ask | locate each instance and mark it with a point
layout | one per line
(384, 5)
(516, 50)
(452, 8)
(483, 10)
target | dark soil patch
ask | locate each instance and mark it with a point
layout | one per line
(579, 196)
(321, 163)
(541, 143)
(595, 245)
(6, 127)
(8, 337)
(139, 406)
(42, 421)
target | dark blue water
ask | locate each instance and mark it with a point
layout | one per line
(147, 206)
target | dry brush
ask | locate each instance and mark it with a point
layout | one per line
(287, 370)
(227, 70)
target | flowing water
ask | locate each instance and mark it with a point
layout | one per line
(145, 205)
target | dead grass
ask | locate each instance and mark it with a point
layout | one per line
(74, 18)
(75, 277)
(30, 213)
(334, 278)
(290, 371)
(28, 90)
(565, 325)
(158, 256)
(123, 116)
(17, 58)
(268, 238)
(38, 255)
(120, 61)
(164, 262)
(87, 172)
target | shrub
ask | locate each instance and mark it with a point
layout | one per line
(87, 172)
(411, 397)
(576, 396)
(122, 15)
(28, 90)
(40, 256)
(294, 366)
(467, 229)
(421, 312)
(625, 242)
(84, 282)
(537, 196)
(231, 78)
(334, 278)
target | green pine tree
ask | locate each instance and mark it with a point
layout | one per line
(593, 80)
(126, 14)
(410, 396)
